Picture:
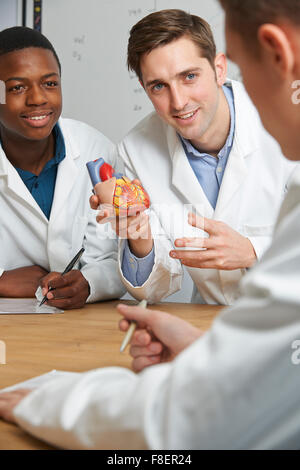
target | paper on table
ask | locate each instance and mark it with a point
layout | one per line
(36, 382)
(25, 306)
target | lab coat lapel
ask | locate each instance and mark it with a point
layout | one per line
(15, 184)
(183, 177)
(244, 144)
(234, 176)
(66, 176)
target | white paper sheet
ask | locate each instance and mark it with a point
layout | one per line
(25, 306)
(36, 382)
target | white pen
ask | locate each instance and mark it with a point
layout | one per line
(131, 329)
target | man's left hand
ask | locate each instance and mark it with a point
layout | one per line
(224, 249)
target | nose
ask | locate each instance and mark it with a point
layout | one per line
(36, 96)
(178, 98)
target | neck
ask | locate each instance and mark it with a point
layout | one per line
(214, 138)
(28, 155)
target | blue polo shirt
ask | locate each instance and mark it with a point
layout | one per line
(42, 186)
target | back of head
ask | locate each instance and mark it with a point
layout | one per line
(161, 28)
(20, 37)
(247, 16)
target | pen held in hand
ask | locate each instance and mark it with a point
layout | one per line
(131, 329)
(68, 269)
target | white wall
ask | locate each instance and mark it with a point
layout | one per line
(10, 13)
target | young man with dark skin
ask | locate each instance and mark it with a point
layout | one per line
(237, 386)
(44, 214)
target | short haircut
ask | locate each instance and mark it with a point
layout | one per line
(161, 28)
(246, 16)
(20, 37)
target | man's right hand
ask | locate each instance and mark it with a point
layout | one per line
(159, 337)
(136, 229)
(21, 282)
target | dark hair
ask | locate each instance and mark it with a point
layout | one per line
(246, 16)
(161, 28)
(20, 37)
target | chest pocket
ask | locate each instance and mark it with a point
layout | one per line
(258, 230)
(79, 229)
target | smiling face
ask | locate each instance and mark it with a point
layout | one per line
(33, 94)
(183, 86)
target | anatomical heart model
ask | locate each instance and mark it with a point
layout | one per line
(116, 189)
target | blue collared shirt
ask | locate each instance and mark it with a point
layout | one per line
(42, 186)
(209, 171)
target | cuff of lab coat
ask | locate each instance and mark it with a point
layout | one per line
(164, 279)
(260, 245)
(104, 281)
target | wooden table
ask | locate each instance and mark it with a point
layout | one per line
(77, 340)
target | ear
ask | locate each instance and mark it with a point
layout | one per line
(276, 46)
(221, 68)
(141, 83)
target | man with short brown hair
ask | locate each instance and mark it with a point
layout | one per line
(205, 148)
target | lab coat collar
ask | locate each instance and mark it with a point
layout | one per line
(66, 176)
(15, 184)
(244, 145)
(66, 173)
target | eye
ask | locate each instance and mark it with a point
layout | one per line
(16, 88)
(157, 87)
(51, 84)
(190, 76)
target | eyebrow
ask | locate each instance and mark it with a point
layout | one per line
(24, 78)
(180, 74)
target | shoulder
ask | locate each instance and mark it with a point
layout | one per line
(149, 128)
(82, 133)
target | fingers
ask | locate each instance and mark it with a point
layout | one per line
(198, 257)
(141, 315)
(94, 202)
(45, 282)
(135, 227)
(208, 225)
(8, 401)
(203, 243)
(139, 363)
(68, 291)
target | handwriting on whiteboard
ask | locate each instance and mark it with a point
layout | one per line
(78, 45)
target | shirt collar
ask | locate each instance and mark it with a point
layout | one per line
(230, 100)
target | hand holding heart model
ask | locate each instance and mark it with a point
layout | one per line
(114, 188)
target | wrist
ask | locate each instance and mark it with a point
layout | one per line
(140, 248)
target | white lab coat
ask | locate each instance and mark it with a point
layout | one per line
(249, 199)
(28, 238)
(237, 387)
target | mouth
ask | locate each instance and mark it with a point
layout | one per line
(37, 119)
(187, 117)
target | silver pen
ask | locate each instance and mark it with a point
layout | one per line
(131, 329)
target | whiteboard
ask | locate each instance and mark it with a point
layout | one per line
(90, 38)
